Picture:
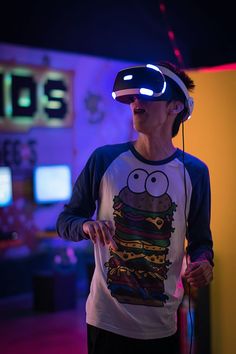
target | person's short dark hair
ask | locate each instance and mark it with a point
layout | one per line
(189, 83)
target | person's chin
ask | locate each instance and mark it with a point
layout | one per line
(142, 128)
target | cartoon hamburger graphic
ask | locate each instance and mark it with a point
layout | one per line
(143, 215)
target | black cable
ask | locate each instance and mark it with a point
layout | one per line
(186, 228)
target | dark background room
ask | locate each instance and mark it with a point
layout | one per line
(58, 61)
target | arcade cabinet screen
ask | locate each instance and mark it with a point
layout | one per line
(52, 184)
(5, 186)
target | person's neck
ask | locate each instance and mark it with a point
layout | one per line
(154, 148)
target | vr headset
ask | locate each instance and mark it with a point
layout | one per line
(153, 83)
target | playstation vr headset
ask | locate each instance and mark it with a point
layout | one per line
(153, 83)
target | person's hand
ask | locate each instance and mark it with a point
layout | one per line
(101, 231)
(199, 273)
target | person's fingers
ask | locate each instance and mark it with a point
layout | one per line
(199, 273)
(108, 233)
(191, 267)
(195, 273)
(102, 231)
(90, 231)
(197, 268)
(200, 283)
(111, 226)
(200, 278)
(113, 244)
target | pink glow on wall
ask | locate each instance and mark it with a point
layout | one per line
(224, 67)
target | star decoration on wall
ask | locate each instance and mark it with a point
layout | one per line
(93, 103)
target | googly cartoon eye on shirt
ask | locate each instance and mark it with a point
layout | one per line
(157, 184)
(136, 180)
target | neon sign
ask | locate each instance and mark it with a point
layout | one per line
(34, 96)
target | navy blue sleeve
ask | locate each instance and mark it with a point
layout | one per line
(200, 245)
(82, 204)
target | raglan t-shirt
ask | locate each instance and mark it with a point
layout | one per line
(137, 288)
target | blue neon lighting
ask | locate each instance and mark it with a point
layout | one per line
(128, 77)
(145, 91)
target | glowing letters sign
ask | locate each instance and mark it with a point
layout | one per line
(34, 96)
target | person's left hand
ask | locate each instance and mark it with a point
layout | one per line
(199, 273)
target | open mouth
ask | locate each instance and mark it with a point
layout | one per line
(139, 110)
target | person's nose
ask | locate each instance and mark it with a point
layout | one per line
(134, 98)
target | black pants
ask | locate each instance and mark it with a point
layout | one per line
(104, 342)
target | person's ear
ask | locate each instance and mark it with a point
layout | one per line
(176, 107)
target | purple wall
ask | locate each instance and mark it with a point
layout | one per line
(98, 120)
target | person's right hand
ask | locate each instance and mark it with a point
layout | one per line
(100, 230)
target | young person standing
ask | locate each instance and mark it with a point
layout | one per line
(148, 196)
